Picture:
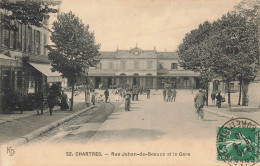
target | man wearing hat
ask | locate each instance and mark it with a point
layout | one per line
(199, 103)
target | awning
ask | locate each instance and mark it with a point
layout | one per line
(46, 70)
(7, 61)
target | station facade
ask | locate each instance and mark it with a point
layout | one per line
(144, 68)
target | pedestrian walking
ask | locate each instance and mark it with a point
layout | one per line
(169, 95)
(219, 100)
(164, 94)
(87, 98)
(137, 93)
(93, 97)
(133, 94)
(148, 91)
(213, 97)
(117, 95)
(123, 93)
(199, 102)
(106, 93)
(127, 97)
(51, 99)
(64, 101)
(174, 94)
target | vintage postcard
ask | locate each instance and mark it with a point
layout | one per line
(137, 82)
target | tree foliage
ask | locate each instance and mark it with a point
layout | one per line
(74, 50)
(30, 13)
(227, 48)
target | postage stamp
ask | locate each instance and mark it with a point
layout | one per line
(238, 142)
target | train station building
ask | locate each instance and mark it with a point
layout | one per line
(144, 68)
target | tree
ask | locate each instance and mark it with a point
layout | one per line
(74, 50)
(231, 49)
(250, 9)
(30, 13)
(193, 53)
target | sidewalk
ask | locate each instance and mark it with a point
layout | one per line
(236, 111)
(14, 126)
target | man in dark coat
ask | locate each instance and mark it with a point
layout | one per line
(106, 93)
(127, 97)
(51, 99)
(219, 99)
(148, 91)
(164, 94)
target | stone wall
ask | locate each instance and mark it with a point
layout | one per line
(254, 94)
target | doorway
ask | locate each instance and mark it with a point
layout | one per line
(97, 82)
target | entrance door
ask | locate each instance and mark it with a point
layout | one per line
(109, 81)
(136, 81)
(97, 82)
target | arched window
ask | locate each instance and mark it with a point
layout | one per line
(149, 81)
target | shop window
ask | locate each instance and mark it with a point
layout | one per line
(19, 79)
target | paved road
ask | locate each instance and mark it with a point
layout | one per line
(151, 126)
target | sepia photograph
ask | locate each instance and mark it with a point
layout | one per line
(130, 82)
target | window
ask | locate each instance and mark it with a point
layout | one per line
(123, 66)
(44, 44)
(149, 64)
(6, 37)
(30, 39)
(136, 65)
(19, 79)
(161, 65)
(110, 65)
(98, 66)
(174, 66)
(38, 42)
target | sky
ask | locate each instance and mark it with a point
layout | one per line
(147, 23)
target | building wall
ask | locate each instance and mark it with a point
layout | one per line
(147, 73)
(167, 63)
(26, 43)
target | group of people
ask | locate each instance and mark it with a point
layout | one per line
(135, 91)
(127, 94)
(90, 97)
(53, 99)
(201, 98)
(217, 97)
(169, 95)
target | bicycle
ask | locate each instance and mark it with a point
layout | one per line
(199, 112)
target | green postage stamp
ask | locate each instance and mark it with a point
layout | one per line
(238, 142)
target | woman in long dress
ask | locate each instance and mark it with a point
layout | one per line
(64, 101)
(87, 98)
(117, 95)
(93, 97)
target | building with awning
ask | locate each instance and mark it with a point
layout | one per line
(46, 69)
(24, 64)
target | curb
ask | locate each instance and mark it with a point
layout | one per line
(220, 113)
(27, 138)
